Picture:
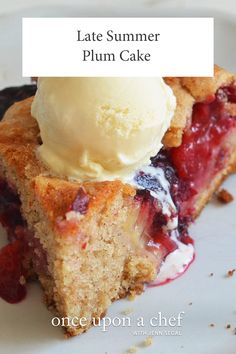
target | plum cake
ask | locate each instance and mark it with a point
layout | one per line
(90, 243)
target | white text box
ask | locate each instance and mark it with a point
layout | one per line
(118, 46)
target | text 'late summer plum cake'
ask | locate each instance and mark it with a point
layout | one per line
(92, 242)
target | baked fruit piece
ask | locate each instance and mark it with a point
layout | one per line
(205, 150)
(92, 243)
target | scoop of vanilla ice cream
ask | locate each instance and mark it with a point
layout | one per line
(101, 128)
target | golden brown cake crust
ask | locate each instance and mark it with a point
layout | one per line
(182, 116)
(19, 137)
(202, 87)
(57, 195)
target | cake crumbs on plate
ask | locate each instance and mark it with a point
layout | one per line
(230, 273)
(127, 311)
(131, 296)
(224, 196)
(211, 274)
(211, 325)
(190, 303)
(132, 350)
(148, 341)
(228, 326)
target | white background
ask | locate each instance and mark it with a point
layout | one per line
(228, 6)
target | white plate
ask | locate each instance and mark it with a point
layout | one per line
(25, 328)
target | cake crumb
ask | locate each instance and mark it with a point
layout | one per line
(224, 196)
(228, 326)
(74, 215)
(211, 274)
(212, 325)
(230, 273)
(127, 311)
(131, 350)
(190, 304)
(148, 341)
(131, 296)
(22, 280)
